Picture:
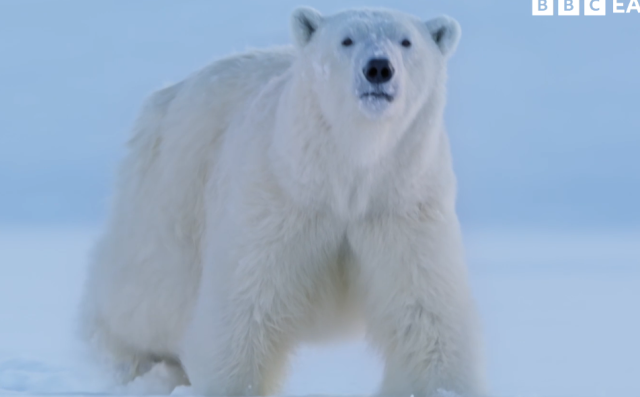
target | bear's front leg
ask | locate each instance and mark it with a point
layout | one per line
(260, 281)
(418, 305)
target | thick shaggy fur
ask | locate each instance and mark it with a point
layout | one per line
(266, 202)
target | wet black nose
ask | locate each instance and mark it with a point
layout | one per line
(378, 71)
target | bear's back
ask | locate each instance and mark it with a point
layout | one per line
(226, 86)
(179, 129)
(157, 215)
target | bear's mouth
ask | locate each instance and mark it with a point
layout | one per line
(377, 95)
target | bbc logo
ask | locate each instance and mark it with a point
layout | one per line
(591, 7)
(569, 7)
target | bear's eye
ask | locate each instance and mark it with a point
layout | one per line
(347, 42)
(406, 43)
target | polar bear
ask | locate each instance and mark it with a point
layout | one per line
(278, 197)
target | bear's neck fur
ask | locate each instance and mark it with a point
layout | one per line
(413, 168)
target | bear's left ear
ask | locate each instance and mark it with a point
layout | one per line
(304, 23)
(446, 32)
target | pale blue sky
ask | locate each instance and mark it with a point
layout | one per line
(543, 112)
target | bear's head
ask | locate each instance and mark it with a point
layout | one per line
(371, 65)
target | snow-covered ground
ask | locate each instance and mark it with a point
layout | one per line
(560, 313)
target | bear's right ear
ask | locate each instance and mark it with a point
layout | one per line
(304, 22)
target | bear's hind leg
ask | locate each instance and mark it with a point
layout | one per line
(122, 363)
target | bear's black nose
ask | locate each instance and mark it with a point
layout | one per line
(378, 71)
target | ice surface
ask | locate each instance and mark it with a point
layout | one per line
(559, 311)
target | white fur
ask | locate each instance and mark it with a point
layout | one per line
(264, 204)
